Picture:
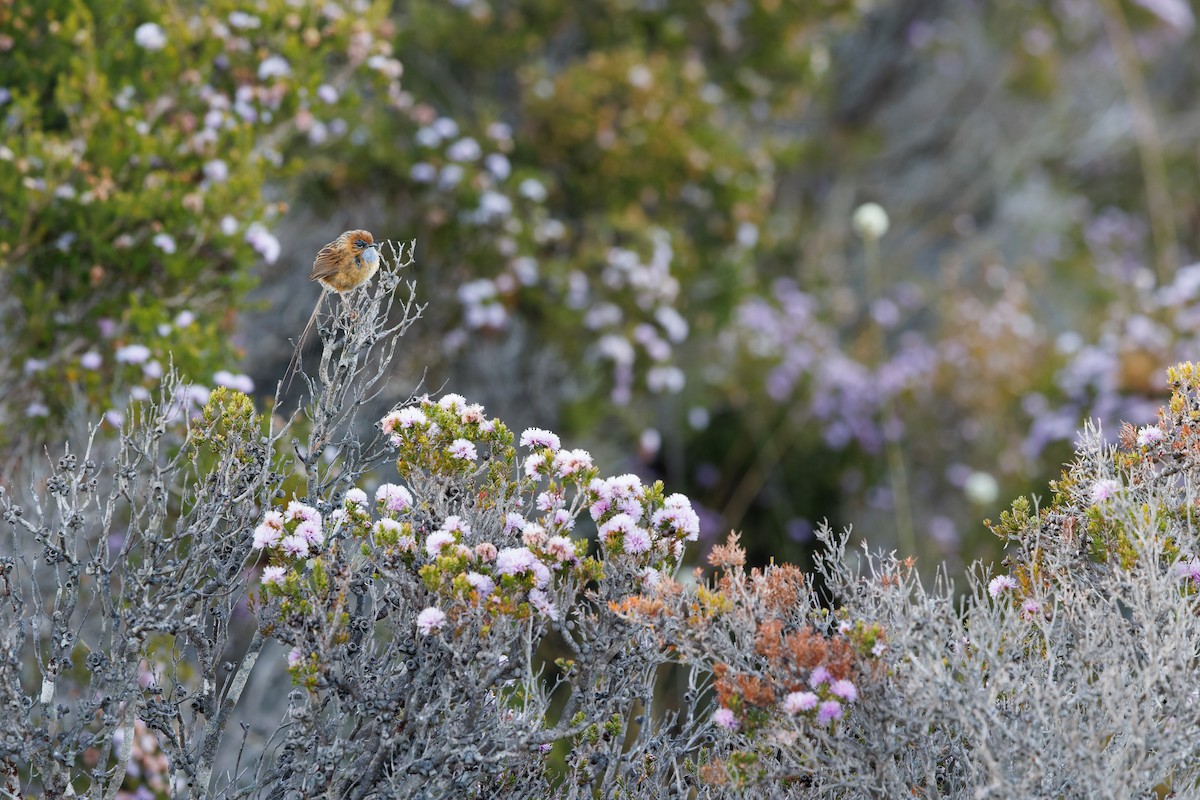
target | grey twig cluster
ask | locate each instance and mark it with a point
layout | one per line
(213, 606)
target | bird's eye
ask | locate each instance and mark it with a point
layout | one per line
(359, 243)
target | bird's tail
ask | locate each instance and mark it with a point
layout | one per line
(294, 365)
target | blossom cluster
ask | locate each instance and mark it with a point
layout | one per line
(635, 520)
(509, 551)
(287, 538)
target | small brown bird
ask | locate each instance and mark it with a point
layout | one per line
(341, 266)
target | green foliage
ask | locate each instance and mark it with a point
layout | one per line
(137, 141)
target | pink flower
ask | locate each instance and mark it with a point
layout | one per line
(829, 711)
(294, 657)
(796, 702)
(274, 576)
(295, 546)
(1104, 489)
(541, 601)
(568, 462)
(356, 497)
(534, 464)
(534, 535)
(1000, 584)
(133, 354)
(311, 532)
(819, 676)
(536, 438)
(436, 541)
(513, 522)
(404, 419)
(1150, 435)
(266, 536)
(514, 560)
(650, 578)
(430, 620)
(620, 524)
(561, 548)
(541, 573)
(677, 512)
(725, 718)
(453, 402)
(388, 526)
(394, 497)
(462, 449)
(456, 524)
(485, 551)
(1030, 609)
(1188, 569)
(599, 508)
(472, 414)
(481, 583)
(845, 690)
(301, 512)
(637, 541)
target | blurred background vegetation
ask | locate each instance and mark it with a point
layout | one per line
(634, 225)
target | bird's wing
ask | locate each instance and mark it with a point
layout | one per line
(326, 262)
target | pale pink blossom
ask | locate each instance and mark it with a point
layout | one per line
(845, 690)
(725, 718)
(394, 497)
(1150, 435)
(430, 620)
(462, 449)
(538, 438)
(796, 702)
(274, 576)
(1001, 584)
(295, 546)
(829, 711)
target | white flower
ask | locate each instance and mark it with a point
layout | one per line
(532, 190)
(274, 67)
(243, 21)
(216, 171)
(327, 94)
(150, 36)
(465, 149)
(133, 354)
(499, 165)
(164, 242)
(870, 221)
(422, 172)
(981, 488)
(264, 242)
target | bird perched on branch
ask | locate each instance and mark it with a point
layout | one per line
(341, 266)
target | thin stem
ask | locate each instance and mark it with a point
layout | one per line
(1149, 142)
(894, 448)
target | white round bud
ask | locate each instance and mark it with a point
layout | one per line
(981, 488)
(870, 221)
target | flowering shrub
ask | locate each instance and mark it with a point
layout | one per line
(173, 623)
